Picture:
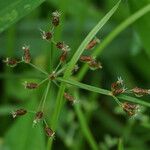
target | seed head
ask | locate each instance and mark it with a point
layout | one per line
(11, 62)
(38, 117)
(46, 35)
(19, 112)
(86, 59)
(63, 56)
(118, 87)
(69, 97)
(49, 132)
(64, 47)
(94, 65)
(30, 85)
(92, 44)
(130, 109)
(27, 55)
(140, 92)
(55, 18)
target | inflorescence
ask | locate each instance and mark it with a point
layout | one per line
(117, 87)
(52, 76)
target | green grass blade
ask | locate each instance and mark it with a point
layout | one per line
(89, 37)
(142, 30)
(84, 127)
(120, 145)
(84, 86)
(12, 11)
(76, 56)
(104, 92)
(114, 34)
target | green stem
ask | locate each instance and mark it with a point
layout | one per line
(37, 68)
(44, 100)
(85, 129)
(104, 92)
(43, 81)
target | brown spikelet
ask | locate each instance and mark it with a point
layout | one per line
(38, 117)
(130, 109)
(27, 55)
(19, 112)
(49, 132)
(55, 18)
(85, 58)
(11, 62)
(92, 44)
(63, 56)
(140, 92)
(31, 85)
(46, 35)
(69, 97)
(94, 65)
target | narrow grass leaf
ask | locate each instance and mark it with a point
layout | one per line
(12, 11)
(103, 91)
(114, 34)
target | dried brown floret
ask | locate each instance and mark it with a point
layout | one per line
(31, 85)
(56, 18)
(11, 62)
(27, 55)
(19, 112)
(69, 97)
(140, 92)
(85, 58)
(130, 109)
(49, 132)
(63, 56)
(64, 47)
(38, 117)
(46, 35)
(118, 87)
(92, 44)
(94, 65)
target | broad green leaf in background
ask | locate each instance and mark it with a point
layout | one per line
(22, 135)
(11, 11)
(142, 26)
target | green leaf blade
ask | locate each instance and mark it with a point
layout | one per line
(15, 10)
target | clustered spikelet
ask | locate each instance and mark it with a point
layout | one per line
(49, 132)
(56, 18)
(69, 97)
(38, 117)
(140, 92)
(30, 85)
(118, 87)
(11, 62)
(91, 61)
(129, 108)
(46, 35)
(27, 55)
(19, 112)
(92, 44)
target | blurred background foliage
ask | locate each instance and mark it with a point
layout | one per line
(127, 56)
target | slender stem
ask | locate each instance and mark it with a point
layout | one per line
(37, 68)
(103, 91)
(57, 66)
(61, 70)
(43, 81)
(85, 129)
(117, 101)
(45, 96)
